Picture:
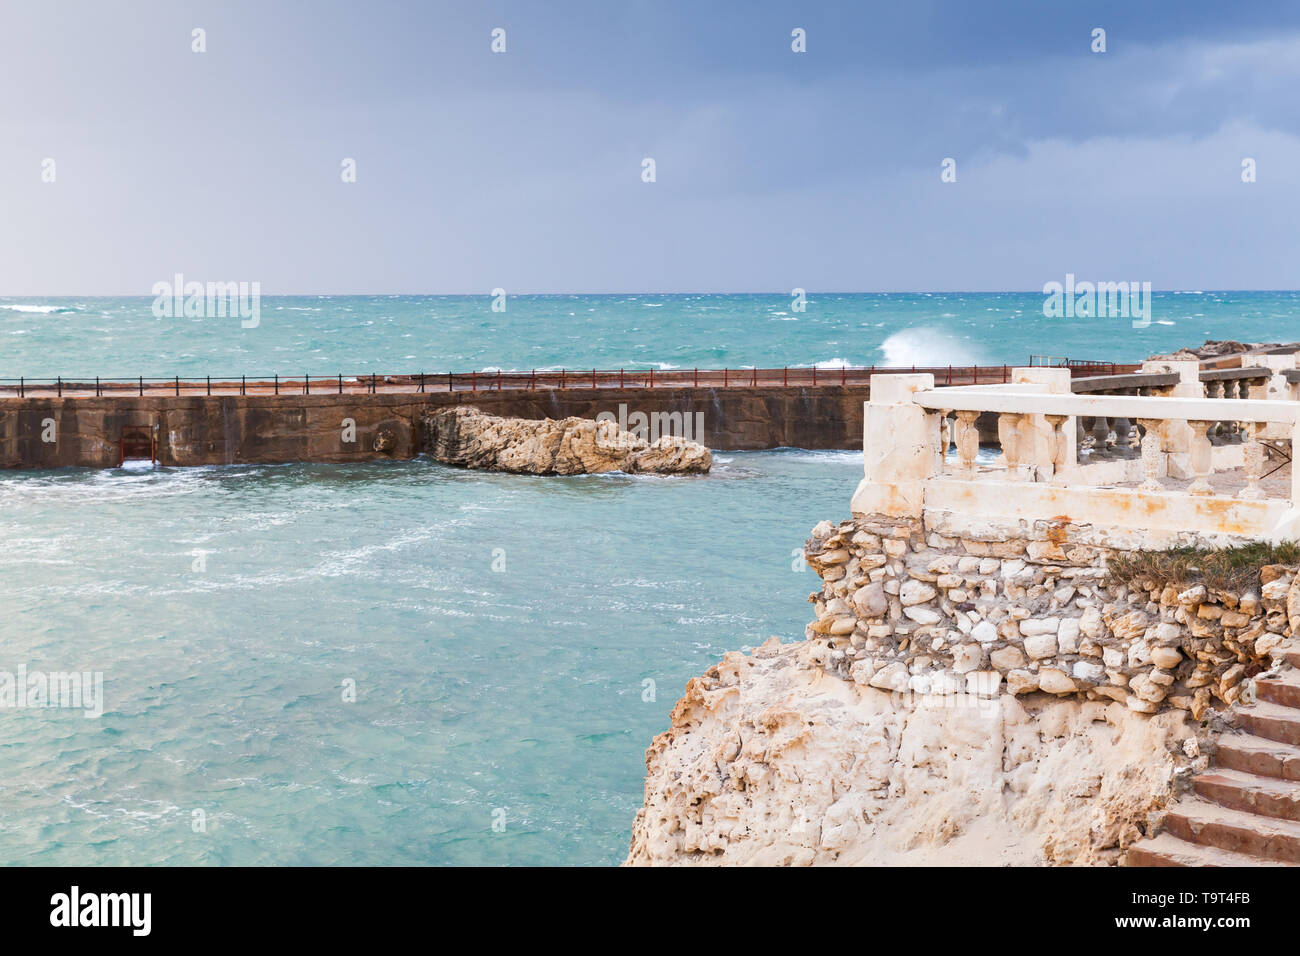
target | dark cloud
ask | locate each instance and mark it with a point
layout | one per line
(474, 167)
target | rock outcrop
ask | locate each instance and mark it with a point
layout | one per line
(1214, 349)
(571, 446)
(996, 697)
(772, 760)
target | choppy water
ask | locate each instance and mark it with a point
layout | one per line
(477, 690)
(326, 335)
(227, 607)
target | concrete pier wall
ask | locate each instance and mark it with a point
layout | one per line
(262, 429)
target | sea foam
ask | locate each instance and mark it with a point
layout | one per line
(927, 347)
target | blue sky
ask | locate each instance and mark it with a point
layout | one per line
(522, 170)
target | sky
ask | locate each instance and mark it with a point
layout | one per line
(523, 170)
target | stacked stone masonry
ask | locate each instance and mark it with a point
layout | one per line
(909, 611)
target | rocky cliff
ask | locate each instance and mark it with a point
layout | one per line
(571, 446)
(772, 760)
(1003, 697)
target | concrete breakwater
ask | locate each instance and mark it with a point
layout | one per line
(190, 429)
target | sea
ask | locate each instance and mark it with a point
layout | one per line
(402, 663)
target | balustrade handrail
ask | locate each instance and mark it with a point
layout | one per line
(1231, 374)
(958, 398)
(1097, 383)
(1165, 475)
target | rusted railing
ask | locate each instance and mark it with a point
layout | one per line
(498, 380)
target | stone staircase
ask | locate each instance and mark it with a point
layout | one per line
(1245, 809)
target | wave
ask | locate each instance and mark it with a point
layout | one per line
(927, 347)
(825, 455)
(825, 363)
(41, 309)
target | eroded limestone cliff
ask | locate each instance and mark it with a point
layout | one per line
(770, 759)
(571, 446)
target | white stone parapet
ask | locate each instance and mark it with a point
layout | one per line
(1194, 467)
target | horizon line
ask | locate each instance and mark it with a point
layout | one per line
(784, 294)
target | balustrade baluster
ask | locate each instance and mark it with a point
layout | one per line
(1012, 442)
(1202, 459)
(1253, 454)
(945, 434)
(1151, 451)
(1100, 434)
(1232, 388)
(1215, 434)
(1060, 446)
(1123, 435)
(967, 441)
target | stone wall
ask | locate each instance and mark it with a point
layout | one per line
(1032, 610)
(264, 429)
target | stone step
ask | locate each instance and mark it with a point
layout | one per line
(1198, 821)
(1270, 720)
(1168, 850)
(1293, 657)
(1268, 796)
(1251, 754)
(1284, 690)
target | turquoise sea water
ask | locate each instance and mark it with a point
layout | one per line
(518, 689)
(499, 630)
(120, 337)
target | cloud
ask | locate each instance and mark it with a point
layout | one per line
(774, 169)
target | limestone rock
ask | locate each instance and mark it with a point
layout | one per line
(1022, 682)
(871, 600)
(1088, 671)
(768, 762)
(1007, 658)
(1040, 645)
(1166, 657)
(922, 615)
(1293, 605)
(915, 592)
(1067, 637)
(967, 657)
(1053, 681)
(465, 436)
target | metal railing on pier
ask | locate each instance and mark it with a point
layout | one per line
(499, 380)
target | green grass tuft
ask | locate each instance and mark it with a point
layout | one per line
(1224, 569)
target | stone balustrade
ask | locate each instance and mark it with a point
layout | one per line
(1197, 465)
(1266, 377)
